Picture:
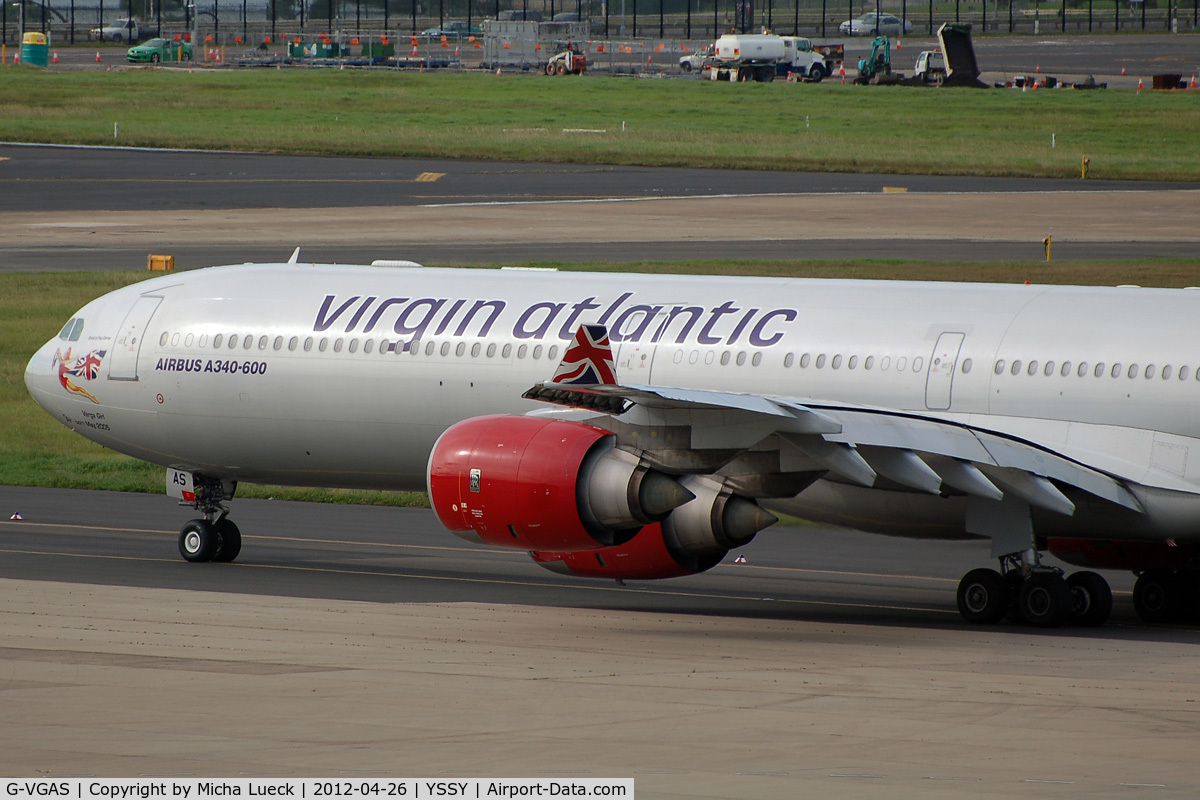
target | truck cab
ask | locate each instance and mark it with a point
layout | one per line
(930, 66)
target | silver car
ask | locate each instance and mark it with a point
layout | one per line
(867, 25)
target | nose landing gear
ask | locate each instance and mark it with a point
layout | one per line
(214, 537)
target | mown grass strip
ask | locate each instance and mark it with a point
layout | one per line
(825, 127)
(37, 451)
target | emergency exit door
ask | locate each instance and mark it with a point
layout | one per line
(940, 381)
(122, 364)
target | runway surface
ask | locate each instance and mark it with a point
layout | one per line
(107, 209)
(351, 641)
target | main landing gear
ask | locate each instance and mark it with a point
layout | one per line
(1024, 589)
(213, 537)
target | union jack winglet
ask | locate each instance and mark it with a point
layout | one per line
(588, 360)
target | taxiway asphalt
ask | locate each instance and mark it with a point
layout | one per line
(73, 208)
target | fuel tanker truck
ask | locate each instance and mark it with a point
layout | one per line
(762, 56)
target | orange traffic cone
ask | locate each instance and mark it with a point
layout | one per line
(17, 57)
(791, 77)
(55, 59)
(414, 52)
(1193, 83)
(97, 56)
(1039, 68)
(1139, 91)
(1122, 69)
(497, 70)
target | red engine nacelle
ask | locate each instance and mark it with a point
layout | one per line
(645, 557)
(544, 484)
(1134, 556)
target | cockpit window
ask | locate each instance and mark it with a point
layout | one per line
(66, 331)
(77, 330)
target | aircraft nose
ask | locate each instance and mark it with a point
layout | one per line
(40, 375)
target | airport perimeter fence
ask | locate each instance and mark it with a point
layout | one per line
(260, 23)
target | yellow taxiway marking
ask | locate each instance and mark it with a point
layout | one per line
(429, 177)
(895, 189)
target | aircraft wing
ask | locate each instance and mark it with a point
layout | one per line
(686, 430)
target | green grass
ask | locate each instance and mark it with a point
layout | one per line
(37, 451)
(666, 122)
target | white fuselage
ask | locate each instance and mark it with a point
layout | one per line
(345, 376)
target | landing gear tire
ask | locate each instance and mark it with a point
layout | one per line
(198, 541)
(1045, 600)
(1091, 599)
(1156, 596)
(230, 538)
(983, 596)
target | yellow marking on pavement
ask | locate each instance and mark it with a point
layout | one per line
(429, 177)
(895, 189)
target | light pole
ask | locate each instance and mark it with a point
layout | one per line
(21, 28)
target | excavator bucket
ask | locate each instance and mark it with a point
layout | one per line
(961, 67)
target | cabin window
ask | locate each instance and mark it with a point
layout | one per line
(368, 345)
(966, 365)
(162, 340)
(1048, 370)
(475, 348)
(385, 346)
(174, 340)
(869, 362)
(522, 350)
(187, 340)
(553, 353)
(1032, 369)
(1016, 367)
(262, 342)
(757, 359)
(836, 363)
(1116, 370)
(278, 345)
(537, 351)
(805, 360)
(1151, 370)
(445, 349)
(741, 358)
(217, 341)
(1099, 370)
(353, 346)
(460, 349)
(248, 341)
(337, 345)
(789, 359)
(507, 351)
(1083, 369)
(821, 361)
(885, 363)
(725, 358)
(308, 344)
(204, 340)
(1183, 373)
(491, 351)
(1066, 369)
(852, 363)
(323, 345)
(293, 343)
(233, 340)
(918, 362)
(999, 367)
(901, 363)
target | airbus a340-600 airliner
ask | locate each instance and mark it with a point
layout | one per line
(641, 426)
